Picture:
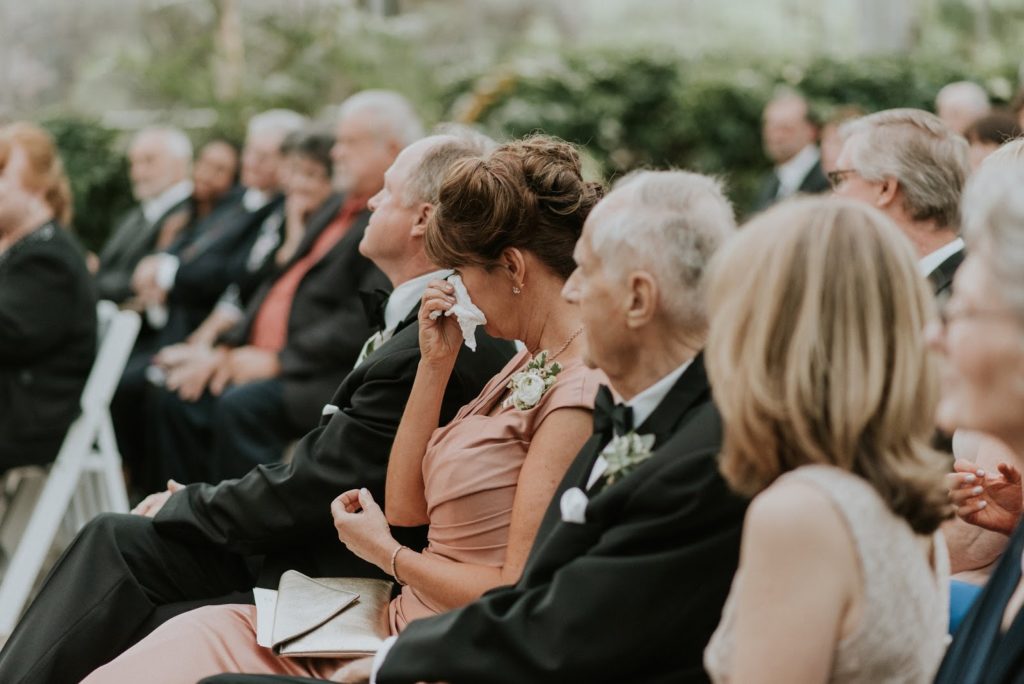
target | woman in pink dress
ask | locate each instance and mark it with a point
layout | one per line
(508, 224)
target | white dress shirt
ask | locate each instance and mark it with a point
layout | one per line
(933, 260)
(156, 207)
(792, 173)
(399, 305)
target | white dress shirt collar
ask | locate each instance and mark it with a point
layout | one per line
(644, 403)
(792, 173)
(406, 295)
(254, 200)
(155, 208)
(935, 259)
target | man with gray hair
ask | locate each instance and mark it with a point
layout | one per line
(193, 545)
(160, 159)
(910, 165)
(961, 103)
(642, 529)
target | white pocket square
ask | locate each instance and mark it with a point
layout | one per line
(574, 506)
(329, 410)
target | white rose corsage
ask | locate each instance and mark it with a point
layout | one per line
(626, 452)
(530, 384)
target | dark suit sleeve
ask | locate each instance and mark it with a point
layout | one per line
(34, 304)
(272, 505)
(649, 589)
(114, 284)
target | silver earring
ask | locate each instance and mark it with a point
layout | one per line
(515, 290)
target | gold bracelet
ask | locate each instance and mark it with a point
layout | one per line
(394, 571)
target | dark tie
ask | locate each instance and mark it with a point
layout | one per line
(611, 419)
(374, 303)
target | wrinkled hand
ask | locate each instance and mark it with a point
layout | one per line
(440, 336)
(993, 501)
(363, 528)
(177, 354)
(144, 281)
(152, 504)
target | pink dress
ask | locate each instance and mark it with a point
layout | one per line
(470, 472)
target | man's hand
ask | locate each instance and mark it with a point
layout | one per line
(152, 504)
(144, 281)
(191, 378)
(242, 365)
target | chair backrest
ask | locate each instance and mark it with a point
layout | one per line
(117, 332)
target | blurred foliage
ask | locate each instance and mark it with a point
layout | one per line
(99, 176)
(638, 109)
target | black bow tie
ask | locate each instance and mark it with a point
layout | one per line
(374, 302)
(611, 419)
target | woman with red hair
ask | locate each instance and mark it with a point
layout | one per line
(47, 301)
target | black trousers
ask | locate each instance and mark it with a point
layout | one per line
(118, 581)
(215, 438)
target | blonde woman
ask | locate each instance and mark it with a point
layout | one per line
(816, 356)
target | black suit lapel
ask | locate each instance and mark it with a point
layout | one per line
(942, 276)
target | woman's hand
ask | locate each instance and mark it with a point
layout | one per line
(363, 528)
(356, 672)
(440, 335)
(989, 500)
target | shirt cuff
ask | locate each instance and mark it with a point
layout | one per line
(378, 658)
(167, 271)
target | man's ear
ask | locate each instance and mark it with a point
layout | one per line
(424, 211)
(642, 306)
(887, 193)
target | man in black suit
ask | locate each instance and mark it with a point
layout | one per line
(125, 574)
(631, 567)
(913, 167)
(789, 135)
(159, 159)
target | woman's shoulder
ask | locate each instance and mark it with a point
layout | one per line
(792, 507)
(575, 386)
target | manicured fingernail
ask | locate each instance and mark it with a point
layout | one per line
(977, 490)
(981, 473)
(969, 478)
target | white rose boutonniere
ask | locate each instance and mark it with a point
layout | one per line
(530, 384)
(626, 452)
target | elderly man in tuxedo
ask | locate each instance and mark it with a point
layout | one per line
(160, 160)
(195, 545)
(913, 167)
(642, 531)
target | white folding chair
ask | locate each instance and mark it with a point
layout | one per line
(84, 480)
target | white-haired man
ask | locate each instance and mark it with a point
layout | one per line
(961, 103)
(125, 574)
(652, 543)
(160, 160)
(910, 165)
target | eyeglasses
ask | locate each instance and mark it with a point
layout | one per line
(838, 177)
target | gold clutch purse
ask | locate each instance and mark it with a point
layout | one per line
(331, 617)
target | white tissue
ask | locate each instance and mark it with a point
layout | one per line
(465, 311)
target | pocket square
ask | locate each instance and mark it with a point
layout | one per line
(329, 410)
(574, 506)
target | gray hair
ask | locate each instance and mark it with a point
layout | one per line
(670, 223)
(966, 94)
(280, 122)
(175, 141)
(927, 158)
(994, 219)
(393, 115)
(453, 144)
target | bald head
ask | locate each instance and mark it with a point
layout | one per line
(962, 103)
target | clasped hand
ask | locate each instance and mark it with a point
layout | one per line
(440, 335)
(993, 501)
(363, 528)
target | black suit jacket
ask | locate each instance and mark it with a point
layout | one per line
(632, 595)
(327, 325)
(47, 343)
(283, 510)
(813, 183)
(211, 256)
(979, 653)
(134, 238)
(941, 277)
